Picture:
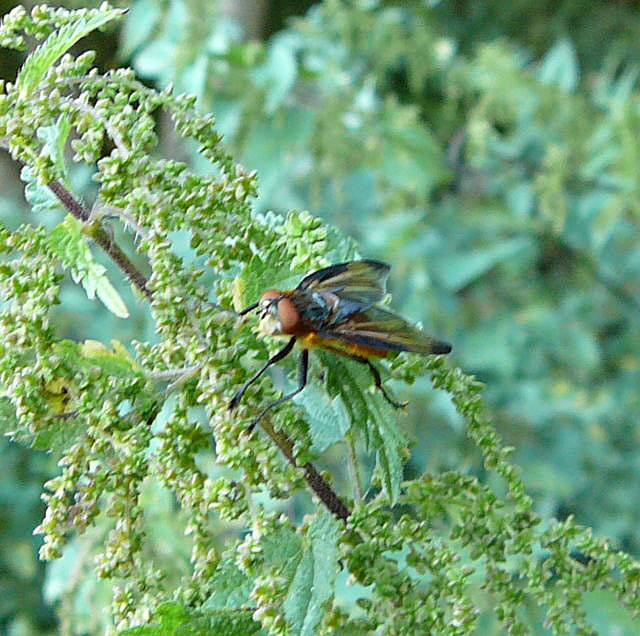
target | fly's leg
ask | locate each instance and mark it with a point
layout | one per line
(283, 353)
(378, 382)
(302, 382)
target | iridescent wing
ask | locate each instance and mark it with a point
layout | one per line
(378, 328)
(362, 282)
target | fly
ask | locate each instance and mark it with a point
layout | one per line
(335, 309)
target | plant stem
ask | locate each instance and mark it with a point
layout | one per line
(314, 479)
(353, 467)
(102, 238)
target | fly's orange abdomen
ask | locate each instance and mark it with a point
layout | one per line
(314, 341)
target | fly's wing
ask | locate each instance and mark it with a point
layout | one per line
(380, 329)
(364, 282)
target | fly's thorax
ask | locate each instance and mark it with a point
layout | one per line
(315, 308)
(278, 314)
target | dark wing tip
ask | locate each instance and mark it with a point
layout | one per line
(438, 347)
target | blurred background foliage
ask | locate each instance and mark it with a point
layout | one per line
(488, 151)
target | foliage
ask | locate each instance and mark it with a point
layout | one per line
(480, 171)
(503, 190)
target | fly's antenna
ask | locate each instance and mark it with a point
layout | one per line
(246, 310)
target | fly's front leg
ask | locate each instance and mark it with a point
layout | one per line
(302, 382)
(283, 353)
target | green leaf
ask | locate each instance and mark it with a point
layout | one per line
(458, 269)
(196, 75)
(283, 550)
(38, 63)
(171, 616)
(227, 622)
(327, 417)
(175, 620)
(560, 66)
(118, 362)
(137, 29)
(347, 380)
(412, 157)
(313, 582)
(146, 630)
(54, 139)
(53, 439)
(69, 243)
(159, 58)
(262, 274)
(389, 444)
(39, 196)
(309, 565)
(369, 412)
(62, 392)
(231, 587)
(607, 616)
(153, 59)
(278, 73)
(276, 147)
(110, 298)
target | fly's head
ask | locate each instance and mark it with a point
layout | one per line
(278, 314)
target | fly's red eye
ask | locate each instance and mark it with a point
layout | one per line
(289, 315)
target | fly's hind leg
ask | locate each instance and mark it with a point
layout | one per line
(378, 382)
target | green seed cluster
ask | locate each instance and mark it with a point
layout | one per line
(103, 424)
(116, 423)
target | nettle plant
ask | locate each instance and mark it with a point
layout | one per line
(420, 556)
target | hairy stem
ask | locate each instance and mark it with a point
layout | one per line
(102, 238)
(314, 479)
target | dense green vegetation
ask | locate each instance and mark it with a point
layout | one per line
(488, 153)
